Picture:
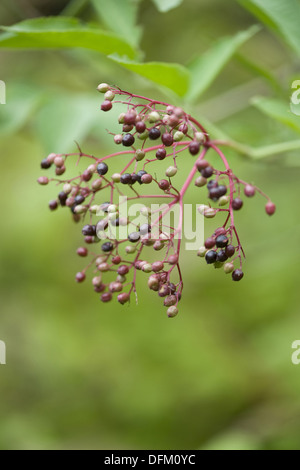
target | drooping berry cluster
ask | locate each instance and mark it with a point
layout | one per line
(144, 123)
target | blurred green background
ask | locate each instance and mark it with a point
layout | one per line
(83, 375)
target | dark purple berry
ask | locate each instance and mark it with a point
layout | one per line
(79, 199)
(134, 237)
(221, 241)
(140, 174)
(128, 140)
(130, 117)
(221, 256)
(167, 139)
(45, 164)
(134, 178)
(211, 257)
(107, 247)
(140, 127)
(89, 230)
(237, 204)
(237, 275)
(194, 148)
(229, 250)
(161, 154)
(201, 164)
(207, 172)
(210, 242)
(154, 133)
(53, 205)
(126, 178)
(144, 229)
(102, 168)
(62, 198)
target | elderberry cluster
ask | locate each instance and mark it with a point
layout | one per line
(151, 132)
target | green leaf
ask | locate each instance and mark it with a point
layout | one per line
(282, 16)
(59, 32)
(120, 16)
(279, 110)
(166, 5)
(21, 101)
(172, 76)
(206, 68)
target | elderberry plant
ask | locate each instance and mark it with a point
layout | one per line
(151, 131)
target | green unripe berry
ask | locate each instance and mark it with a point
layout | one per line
(116, 177)
(228, 268)
(139, 155)
(103, 87)
(171, 171)
(143, 136)
(121, 118)
(80, 209)
(202, 252)
(94, 209)
(200, 181)
(109, 95)
(218, 264)
(67, 188)
(209, 213)
(172, 311)
(130, 249)
(154, 116)
(200, 137)
(147, 268)
(224, 200)
(178, 136)
(112, 209)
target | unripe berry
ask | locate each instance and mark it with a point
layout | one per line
(116, 177)
(103, 87)
(106, 105)
(154, 116)
(118, 138)
(140, 155)
(121, 118)
(103, 267)
(59, 162)
(228, 268)
(158, 245)
(123, 298)
(270, 208)
(200, 137)
(43, 180)
(173, 259)
(97, 281)
(200, 181)
(210, 213)
(106, 297)
(172, 311)
(80, 209)
(130, 250)
(121, 278)
(201, 164)
(123, 269)
(115, 286)
(80, 277)
(157, 266)
(127, 127)
(164, 185)
(134, 237)
(249, 190)
(51, 157)
(153, 283)
(147, 268)
(178, 136)
(202, 252)
(67, 188)
(183, 128)
(109, 95)
(146, 179)
(170, 300)
(144, 135)
(96, 184)
(53, 205)
(171, 171)
(60, 170)
(224, 200)
(237, 275)
(83, 252)
(237, 204)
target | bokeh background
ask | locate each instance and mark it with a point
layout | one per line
(85, 375)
